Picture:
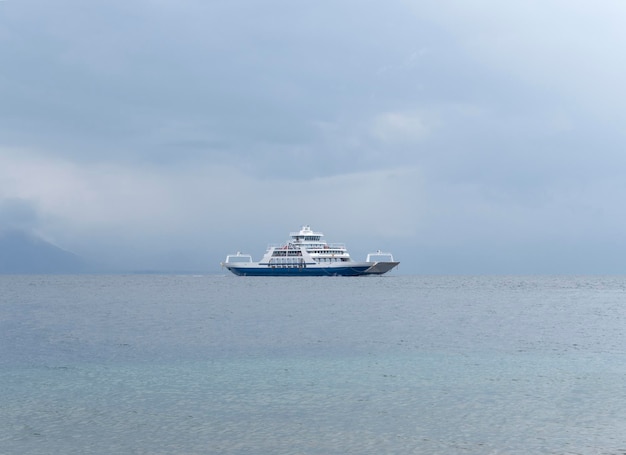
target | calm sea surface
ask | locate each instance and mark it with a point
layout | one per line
(372, 365)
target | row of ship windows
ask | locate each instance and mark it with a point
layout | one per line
(286, 260)
(287, 253)
(299, 253)
(290, 262)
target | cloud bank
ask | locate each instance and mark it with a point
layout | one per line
(481, 138)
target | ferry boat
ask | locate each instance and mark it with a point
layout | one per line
(307, 254)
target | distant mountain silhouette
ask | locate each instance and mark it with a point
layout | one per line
(23, 252)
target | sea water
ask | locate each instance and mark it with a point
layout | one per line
(372, 365)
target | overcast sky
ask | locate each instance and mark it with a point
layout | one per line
(464, 137)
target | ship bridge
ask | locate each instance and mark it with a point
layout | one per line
(306, 235)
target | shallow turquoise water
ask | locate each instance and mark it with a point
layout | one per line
(393, 364)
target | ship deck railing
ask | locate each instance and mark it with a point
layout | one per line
(319, 245)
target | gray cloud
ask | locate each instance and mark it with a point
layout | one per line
(142, 130)
(18, 214)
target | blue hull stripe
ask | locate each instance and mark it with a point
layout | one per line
(299, 271)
